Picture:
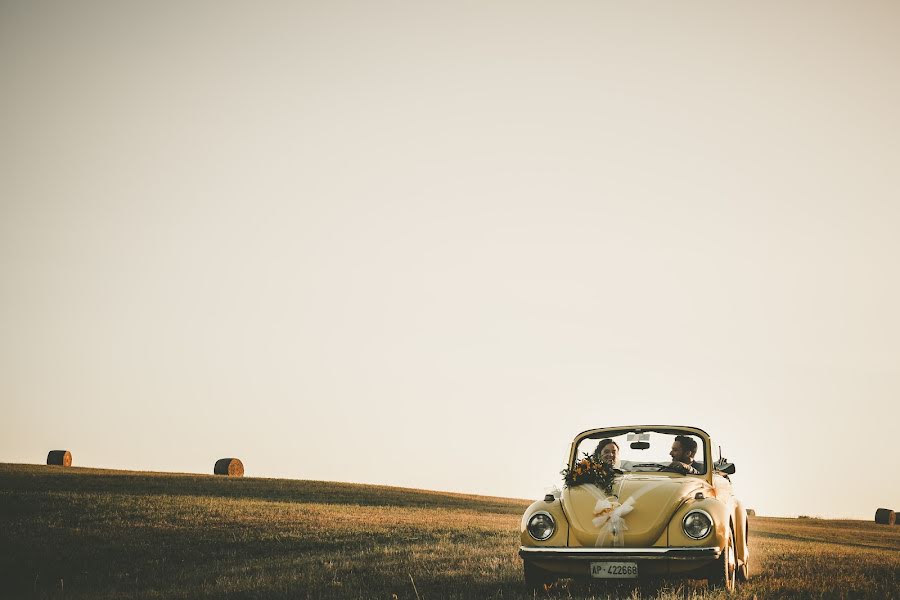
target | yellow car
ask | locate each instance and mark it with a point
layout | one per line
(639, 501)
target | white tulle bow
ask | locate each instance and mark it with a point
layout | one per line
(609, 516)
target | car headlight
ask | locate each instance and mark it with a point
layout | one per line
(697, 524)
(541, 526)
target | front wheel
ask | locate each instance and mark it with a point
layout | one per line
(722, 572)
(535, 577)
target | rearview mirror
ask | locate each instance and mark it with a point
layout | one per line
(640, 445)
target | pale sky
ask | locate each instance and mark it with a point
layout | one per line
(425, 244)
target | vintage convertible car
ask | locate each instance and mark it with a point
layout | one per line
(641, 506)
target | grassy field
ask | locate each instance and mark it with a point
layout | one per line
(86, 533)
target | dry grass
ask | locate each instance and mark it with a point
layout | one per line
(83, 533)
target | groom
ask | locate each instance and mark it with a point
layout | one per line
(683, 450)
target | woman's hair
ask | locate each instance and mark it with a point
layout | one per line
(603, 443)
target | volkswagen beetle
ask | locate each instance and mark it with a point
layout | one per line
(639, 501)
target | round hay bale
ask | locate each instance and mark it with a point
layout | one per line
(62, 458)
(885, 516)
(751, 512)
(232, 467)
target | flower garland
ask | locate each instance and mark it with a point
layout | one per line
(590, 470)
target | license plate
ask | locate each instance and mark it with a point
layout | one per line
(614, 570)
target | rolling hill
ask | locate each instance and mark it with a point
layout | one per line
(91, 533)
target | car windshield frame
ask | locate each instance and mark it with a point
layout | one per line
(703, 442)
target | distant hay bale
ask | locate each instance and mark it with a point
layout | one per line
(62, 458)
(751, 512)
(232, 467)
(885, 516)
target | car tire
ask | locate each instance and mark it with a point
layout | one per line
(535, 577)
(743, 572)
(722, 573)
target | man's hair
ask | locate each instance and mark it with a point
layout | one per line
(603, 444)
(688, 443)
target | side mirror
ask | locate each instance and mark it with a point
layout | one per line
(728, 468)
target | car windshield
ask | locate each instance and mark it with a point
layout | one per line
(648, 450)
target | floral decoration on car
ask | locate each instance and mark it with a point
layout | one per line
(590, 470)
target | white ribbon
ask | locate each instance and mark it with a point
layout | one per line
(609, 514)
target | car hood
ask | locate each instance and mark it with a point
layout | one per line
(635, 516)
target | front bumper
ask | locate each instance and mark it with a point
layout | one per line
(650, 562)
(555, 553)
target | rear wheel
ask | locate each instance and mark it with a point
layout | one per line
(535, 577)
(722, 572)
(743, 572)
